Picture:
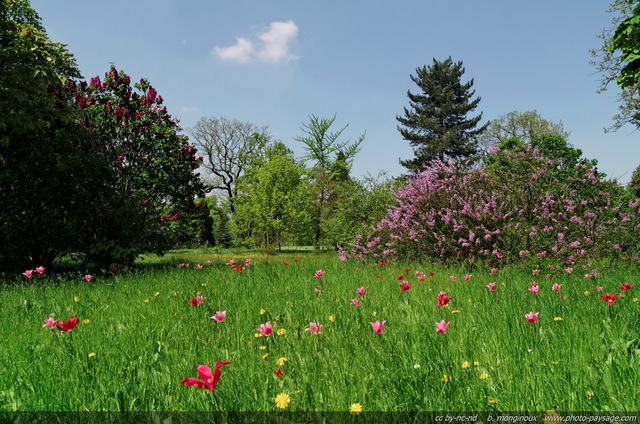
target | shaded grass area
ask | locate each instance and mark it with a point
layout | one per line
(138, 337)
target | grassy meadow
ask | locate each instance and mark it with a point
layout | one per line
(138, 337)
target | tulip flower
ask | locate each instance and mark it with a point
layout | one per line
(67, 325)
(441, 327)
(40, 270)
(50, 322)
(609, 298)
(208, 382)
(265, 329)
(556, 287)
(278, 373)
(87, 278)
(219, 316)
(314, 327)
(319, 273)
(531, 317)
(377, 326)
(491, 286)
(28, 273)
(467, 277)
(404, 286)
(362, 291)
(534, 289)
(355, 301)
(197, 300)
(442, 299)
(625, 287)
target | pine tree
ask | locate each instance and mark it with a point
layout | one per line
(437, 125)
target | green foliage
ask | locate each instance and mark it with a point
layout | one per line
(626, 40)
(274, 205)
(436, 124)
(634, 185)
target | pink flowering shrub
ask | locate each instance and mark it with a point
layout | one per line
(520, 204)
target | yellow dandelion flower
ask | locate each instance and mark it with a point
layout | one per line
(265, 356)
(86, 321)
(635, 299)
(91, 355)
(146, 301)
(281, 332)
(557, 319)
(204, 284)
(198, 293)
(355, 409)
(374, 314)
(455, 311)
(493, 401)
(282, 400)
(256, 335)
(262, 311)
(156, 294)
(175, 293)
(555, 362)
(332, 319)
(262, 347)
(281, 361)
(476, 363)
(445, 378)
(587, 293)
(465, 365)
(483, 376)
(590, 394)
(76, 299)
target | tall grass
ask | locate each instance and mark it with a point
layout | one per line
(138, 337)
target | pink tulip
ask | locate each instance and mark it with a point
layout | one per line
(404, 286)
(598, 289)
(208, 382)
(50, 322)
(198, 266)
(232, 262)
(421, 278)
(196, 300)
(87, 277)
(377, 326)
(319, 273)
(492, 286)
(28, 273)
(452, 278)
(208, 262)
(536, 272)
(317, 291)
(534, 289)
(362, 291)
(568, 270)
(442, 299)
(40, 270)
(219, 316)
(556, 287)
(356, 301)
(493, 271)
(314, 327)
(531, 317)
(441, 327)
(265, 329)
(247, 263)
(468, 277)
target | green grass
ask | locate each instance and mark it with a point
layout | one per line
(147, 338)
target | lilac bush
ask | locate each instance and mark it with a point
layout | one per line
(518, 205)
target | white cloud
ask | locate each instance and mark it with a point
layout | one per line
(276, 41)
(241, 51)
(274, 45)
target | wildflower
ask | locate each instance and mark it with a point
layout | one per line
(67, 325)
(468, 277)
(332, 318)
(262, 348)
(556, 287)
(483, 376)
(317, 291)
(209, 262)
(91, 355)
(257, 335)
(442, 299)
(146, 301)
(262, 311)
(441, 327)
(568, 270)
(455, 311)
(238, 268)
(404, 286)
(588, 276)
(86, 321)
(87, 278)
(232, 262)
(492, 401)
(445, 378)
(281, 332)
(534, 288)
(362, 291)
(587, 293)
(493, 271)
(278, 373)
(609, 298)
(452, 278)
(598, 289)
(198, 266)
(430, 274)
(318, 274)
(282, 400)
(536, 272)
(265, 356)
(314, 327)
(377, 326)
(76, 299)
(281, 361)
(196, 300)
(203, 284)
(465, 365)
(208, 382)
(590, 394)
(296, 260)
(476, 363)
(625, 287)
(286, 263)
(382, 263)
(531, 317)
(39, 270)
(156, 294)
(491, 286)
(355, 409)
(416, 366)
(247, 263)
(265, 329)
(557, 319)
(400, 277)
(50, 322)
(219, 316)
(28, 273)
(378, 276)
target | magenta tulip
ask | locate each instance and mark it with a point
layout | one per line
(208, 382)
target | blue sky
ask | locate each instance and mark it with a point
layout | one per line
(275, 63)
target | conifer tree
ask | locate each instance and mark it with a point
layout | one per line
(436, 124)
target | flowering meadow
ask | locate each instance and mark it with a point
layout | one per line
(200, 331)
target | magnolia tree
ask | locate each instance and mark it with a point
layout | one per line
(143, 183)
(524, 204)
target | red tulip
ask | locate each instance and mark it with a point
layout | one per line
(67, 325)
(208, 381)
